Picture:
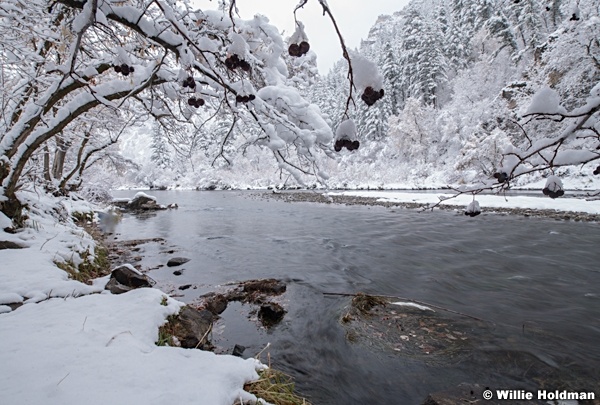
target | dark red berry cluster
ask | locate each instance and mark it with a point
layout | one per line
(502, 177)
(346, 143)
(371, 96)
(300, 49)
(124, 69)
(244, 99)
(574, 17)
(553, 193)
(597, 171)
(189, 82)
(472, 213)
(233, 62)
(196, 102)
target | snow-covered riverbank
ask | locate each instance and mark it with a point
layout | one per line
(580, 209)
(70, 342)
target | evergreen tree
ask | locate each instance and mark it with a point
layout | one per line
(423, 62)
(161, 153)
(391, 75)
(527, 21)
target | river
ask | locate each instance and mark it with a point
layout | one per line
(519, 274)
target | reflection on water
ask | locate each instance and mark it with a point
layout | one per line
(535, 281)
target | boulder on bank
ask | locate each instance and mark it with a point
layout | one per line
(191, 327)
(6, 244)
(126, 278)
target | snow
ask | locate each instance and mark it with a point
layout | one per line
(545, 101)
(473, 207)
(412, 305)
(346, 130)
(88, 343)
(487, 201)
(238, 45)
(141, 194)
(5, 222)
(299, 34)
(554, 183)
(366, 73)
(102, 348)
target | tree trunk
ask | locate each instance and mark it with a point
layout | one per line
(59, 157)
(47, 164)
(12, 208)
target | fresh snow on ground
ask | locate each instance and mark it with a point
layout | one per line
(485, 201)
(100, 349)
(70, 344)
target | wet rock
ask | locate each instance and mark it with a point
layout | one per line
(178, 272)
(185, 287)
(216, 303)
(238, 350)
(5, 244)
(116, 288)
(270, 314)
(177, 261)
(126, 278)
(141, 202)
(193, 327)
(268, 286)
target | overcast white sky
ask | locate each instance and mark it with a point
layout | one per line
(354, 17)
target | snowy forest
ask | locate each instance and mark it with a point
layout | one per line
(483, 94)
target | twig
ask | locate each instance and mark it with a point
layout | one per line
(115, 336)
(62, 379)
(48, 240)
(345, 54)
(411, 300)
(261, 352)
(204, 337)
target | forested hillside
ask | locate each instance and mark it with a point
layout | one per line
(458, 77)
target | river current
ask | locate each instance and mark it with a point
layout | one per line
(520, 274)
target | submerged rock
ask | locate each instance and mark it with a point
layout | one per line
(238, 350)
(216, 303)
(269, 286)
(177, 261)
(270, 313)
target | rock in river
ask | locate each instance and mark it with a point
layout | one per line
(177, 261)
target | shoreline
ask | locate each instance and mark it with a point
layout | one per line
(341, 199)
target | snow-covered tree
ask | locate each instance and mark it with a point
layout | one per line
(64, 61)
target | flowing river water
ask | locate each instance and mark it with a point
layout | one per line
(535, 281)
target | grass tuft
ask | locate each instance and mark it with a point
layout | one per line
(92, 267)
(276, 388)
(167, 332)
